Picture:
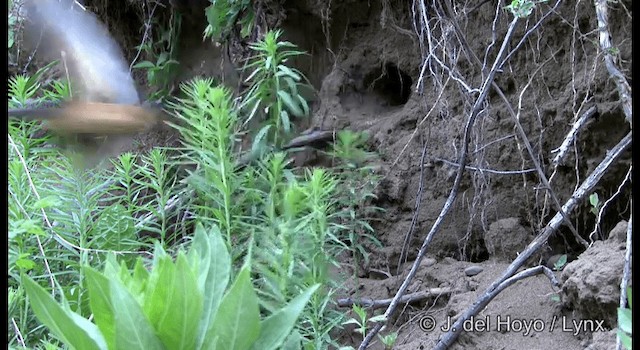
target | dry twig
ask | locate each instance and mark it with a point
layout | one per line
(456, 185)
(626, 275)
(578, 196)
(571, 136)
(406, 299)
(624, 90)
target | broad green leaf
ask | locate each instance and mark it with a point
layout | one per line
(144, 64)
(133, 329)
(25, 263)
(625, 339)
(351, 321)
(162, 58)
(101, 304)
(47, 202)
(237, 323)
(267, 63)
(293, 341)
(68, 326)
(174, 303)
(292, 106)
(278, 326)
(624, 320)
(293, 87)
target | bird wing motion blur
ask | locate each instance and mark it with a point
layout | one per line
(105, 99)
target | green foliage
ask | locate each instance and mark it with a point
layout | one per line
(363, 320)
(562, 261)
(175, 305)
(523, 8)
(208, 134)
(161, 51)
(624, 323)
(63, 216)
(286, 227)
(357, 184)
(594, 200)
(287, 217)
(222, 16)
(274, 87)
(388, 340)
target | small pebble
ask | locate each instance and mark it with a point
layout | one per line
(472, 270)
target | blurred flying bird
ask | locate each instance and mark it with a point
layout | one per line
(104, 99)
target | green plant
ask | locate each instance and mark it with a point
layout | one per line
(207, 125)
(62, 216)
(175, 305)
(594, 200)
(11, 25)
(560, 263)
(357, 182)
(523, 8)
(274, 87)
(624, 323)
(388, 340)
(222, 16)
(349, 148)
(363, 320)
(288, 216)
(161, 65)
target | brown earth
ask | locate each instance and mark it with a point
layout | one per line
(365, 61)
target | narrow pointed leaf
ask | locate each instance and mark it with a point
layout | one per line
(76, 332)
(101, 306)
(237, 323)
(133, 329)
(278, 326)
(292, 105)
(174, 303)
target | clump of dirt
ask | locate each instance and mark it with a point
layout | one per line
(591, 284)
(505, 238)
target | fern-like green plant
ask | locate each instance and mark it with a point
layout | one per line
(274, 87)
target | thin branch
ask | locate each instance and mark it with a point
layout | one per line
(145, 36)
(531, 30)
(571, 136)
(577, 197)
(18, 333)
(406, 299)
(416, 212)
(474, 59)
(415, 131)
(624, 90)
(492, 171)
(44, 215)
(626, 275)
(456, 185)
(536, 163)
(596, 227)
